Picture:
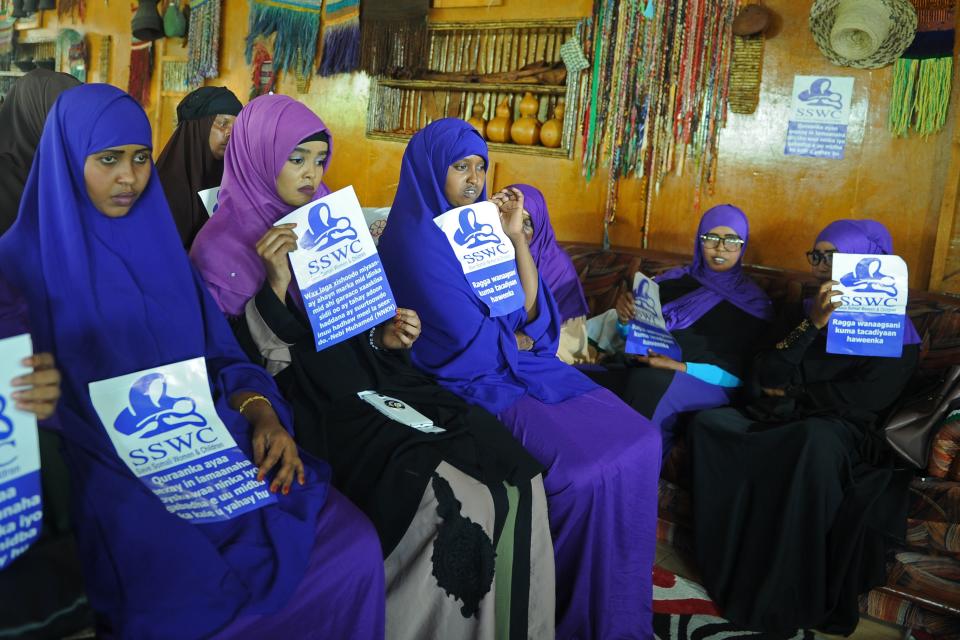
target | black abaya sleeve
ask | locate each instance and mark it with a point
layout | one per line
(775, 368)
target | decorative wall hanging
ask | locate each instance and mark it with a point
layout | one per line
(576, 62)
(394, 35)
(922, 77)
(297, 25)
(203, 40)
(72, 53)
(175, 77)
(865, 34)
(341, 37)
(747, 58)
(106, 44)
(6, 41)
(76, 9)
(141, 70)
(147, 23)
(262, 66)
(657, 93)
(174, 22)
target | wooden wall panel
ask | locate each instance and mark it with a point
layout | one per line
(899, 182)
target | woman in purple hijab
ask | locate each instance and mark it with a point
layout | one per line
(602, 458)
(714, 311)
(559, 276)
(795, 498)
(111, 292)
(439, 498)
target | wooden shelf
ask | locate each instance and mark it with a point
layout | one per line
(12, 73)
(492, 87)
(542, 23)
(528, 150)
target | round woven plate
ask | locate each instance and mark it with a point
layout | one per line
(901, 34)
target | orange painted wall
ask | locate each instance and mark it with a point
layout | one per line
(788, 199)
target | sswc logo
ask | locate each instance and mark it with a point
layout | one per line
(820, 101)
(326, 230)
(8, 446)
(643, 300)
(153, 411)
(473, 234)
(867, 278)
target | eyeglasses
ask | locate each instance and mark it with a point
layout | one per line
(224, 123)
(815, 257)
(527, 225)
(730, 243)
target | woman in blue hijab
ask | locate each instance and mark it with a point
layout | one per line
(602, 458)
(111, 292)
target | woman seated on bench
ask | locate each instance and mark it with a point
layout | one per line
(110, 293)
(713, 310)
(439, 500)
(793, 496)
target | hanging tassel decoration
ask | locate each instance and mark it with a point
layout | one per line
(393, 35)
(922, 77)
(203, 41)
(341, 37)
(297, 25)
(141, 69)
(263, 75)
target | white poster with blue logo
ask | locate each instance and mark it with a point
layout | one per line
(164, 426)
(873, 293)
(647, 330)
(210, 199)
(819, 116)
(344, 287)
(486, 255)
(21, 512)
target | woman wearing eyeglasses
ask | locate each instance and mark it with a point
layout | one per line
(714, 311)
(794, 497)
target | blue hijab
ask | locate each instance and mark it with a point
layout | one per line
(111, 296)
(469, 352)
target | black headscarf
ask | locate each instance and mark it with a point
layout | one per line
(21, 120)
(186, 164)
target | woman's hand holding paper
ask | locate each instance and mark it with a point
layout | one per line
(273, 248)
(44, 386)
(625, 307)
(824, 304)
(401, 332)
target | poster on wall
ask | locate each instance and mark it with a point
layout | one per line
(873, 295)
(819, 115)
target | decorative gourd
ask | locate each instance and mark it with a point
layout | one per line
(551, 134)
(526, 130)
(477, 121)
(498, 129)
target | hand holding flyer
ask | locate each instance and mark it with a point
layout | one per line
(647, 330)
(871, 318)
(337, 268)
(20, 497)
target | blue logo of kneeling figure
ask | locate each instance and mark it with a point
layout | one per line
(8, 446)
(472, 234)
(325, 230)
(153, 411)
(820, 95)
(866, 278)
(643, 299)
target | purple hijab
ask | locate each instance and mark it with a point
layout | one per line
(469, 352)
(110, 296)
(555, 266)
(733, 285)
(224, 251)
(865, 237)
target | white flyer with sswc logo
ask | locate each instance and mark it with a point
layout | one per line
(164, 426)
(647, 329)
(21, 511)
(872, 317)
(485, 254)
(338, 270)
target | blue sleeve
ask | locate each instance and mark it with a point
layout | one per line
(713, 374)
